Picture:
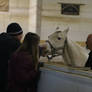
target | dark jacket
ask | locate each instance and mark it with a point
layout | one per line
(89, 61)
(21, 73)
(8, 45)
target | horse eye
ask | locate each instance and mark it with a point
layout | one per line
(59, 38)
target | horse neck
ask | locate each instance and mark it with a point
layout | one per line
(74, 53)
(68, 53)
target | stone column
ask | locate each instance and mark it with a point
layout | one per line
(35, 16)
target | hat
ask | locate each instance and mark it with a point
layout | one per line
(14, 29)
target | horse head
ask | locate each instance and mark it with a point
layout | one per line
(57, 42)
(72, 53)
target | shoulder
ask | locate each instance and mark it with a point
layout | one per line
(5, 36)
(5, 40)
(22, 59)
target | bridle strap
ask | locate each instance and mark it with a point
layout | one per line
(53, 50)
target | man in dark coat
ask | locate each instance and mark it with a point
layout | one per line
(9, 42)
(89, 46)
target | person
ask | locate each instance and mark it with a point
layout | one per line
(23, 65)
(89, 46)
(9, 42)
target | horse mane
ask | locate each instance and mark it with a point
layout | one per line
(74, 54)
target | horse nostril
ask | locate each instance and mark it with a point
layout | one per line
(59, 38)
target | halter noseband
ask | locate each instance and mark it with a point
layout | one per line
(54, 50)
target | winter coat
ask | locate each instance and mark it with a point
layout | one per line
(21, 73)
(89, 61)
(8, 45)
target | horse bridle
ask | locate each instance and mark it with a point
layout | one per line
(54, 50)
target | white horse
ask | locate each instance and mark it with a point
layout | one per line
(73, 54)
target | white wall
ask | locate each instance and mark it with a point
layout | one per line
(43, 16)
(80, 26)
(35, 16)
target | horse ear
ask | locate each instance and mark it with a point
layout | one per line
(66, 30)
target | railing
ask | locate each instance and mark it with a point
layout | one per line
(60, 78)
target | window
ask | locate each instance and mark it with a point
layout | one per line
(70, 9)
(4, 5)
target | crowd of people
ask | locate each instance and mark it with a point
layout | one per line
(19, 62)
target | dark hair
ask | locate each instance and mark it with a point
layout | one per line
(14, 29)
(30, 44)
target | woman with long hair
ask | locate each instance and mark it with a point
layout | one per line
(23, 66)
